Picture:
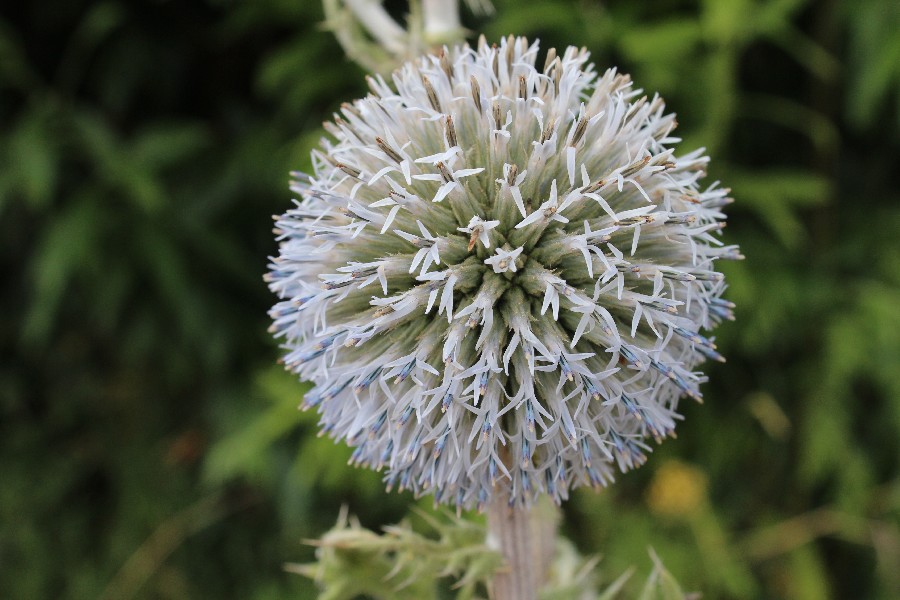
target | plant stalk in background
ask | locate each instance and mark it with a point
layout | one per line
(374, 39)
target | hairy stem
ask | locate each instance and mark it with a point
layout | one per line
(526, 538)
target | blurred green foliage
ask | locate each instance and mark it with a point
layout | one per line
(148, 447)
(402, 564)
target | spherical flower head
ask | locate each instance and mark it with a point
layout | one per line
(497, 275)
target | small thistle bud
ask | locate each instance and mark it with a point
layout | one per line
(498, 277)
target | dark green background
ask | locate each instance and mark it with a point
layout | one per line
(149, 448)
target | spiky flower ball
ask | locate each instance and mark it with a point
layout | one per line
(497, 275)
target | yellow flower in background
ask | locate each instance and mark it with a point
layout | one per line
(678, 490)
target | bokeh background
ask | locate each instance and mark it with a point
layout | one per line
(151, 448)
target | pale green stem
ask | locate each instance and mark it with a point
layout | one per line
(387, 32)
(441, 21)
(526, 537)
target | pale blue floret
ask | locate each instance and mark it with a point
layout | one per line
(497, 275)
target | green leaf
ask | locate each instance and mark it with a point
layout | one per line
(244, 452)
(795, 116)
(166, 144)
(538, 17)
(98, 23)
(874, 59)
(114, 165)
(15, 71)
(807, 52)
(805, 577)
(286, 73)
(725, 21)
(64, 251)
(616, 586)
(777, 196)
(667, 42)
(661, 585)
(33, 157)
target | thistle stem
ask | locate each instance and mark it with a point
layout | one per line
(441, 19)
(376, 20)
(526, 538)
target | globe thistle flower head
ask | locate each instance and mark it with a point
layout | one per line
(497, 275)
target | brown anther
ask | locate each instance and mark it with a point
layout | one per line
(473, 238)
(590, 189)
(557, 75)
(634, 168)
(388, 150)
(384, 310)
(511, 176)
(580, 129)
(476, 92)
(547, 133)
(551, 57)
(351, 171)
(450, 131)
(495, 63)
(432, 95)
(446, 66)
(496, 112)
(523, 88)
(445, 172)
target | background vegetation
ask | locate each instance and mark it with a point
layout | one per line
(149, 448)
